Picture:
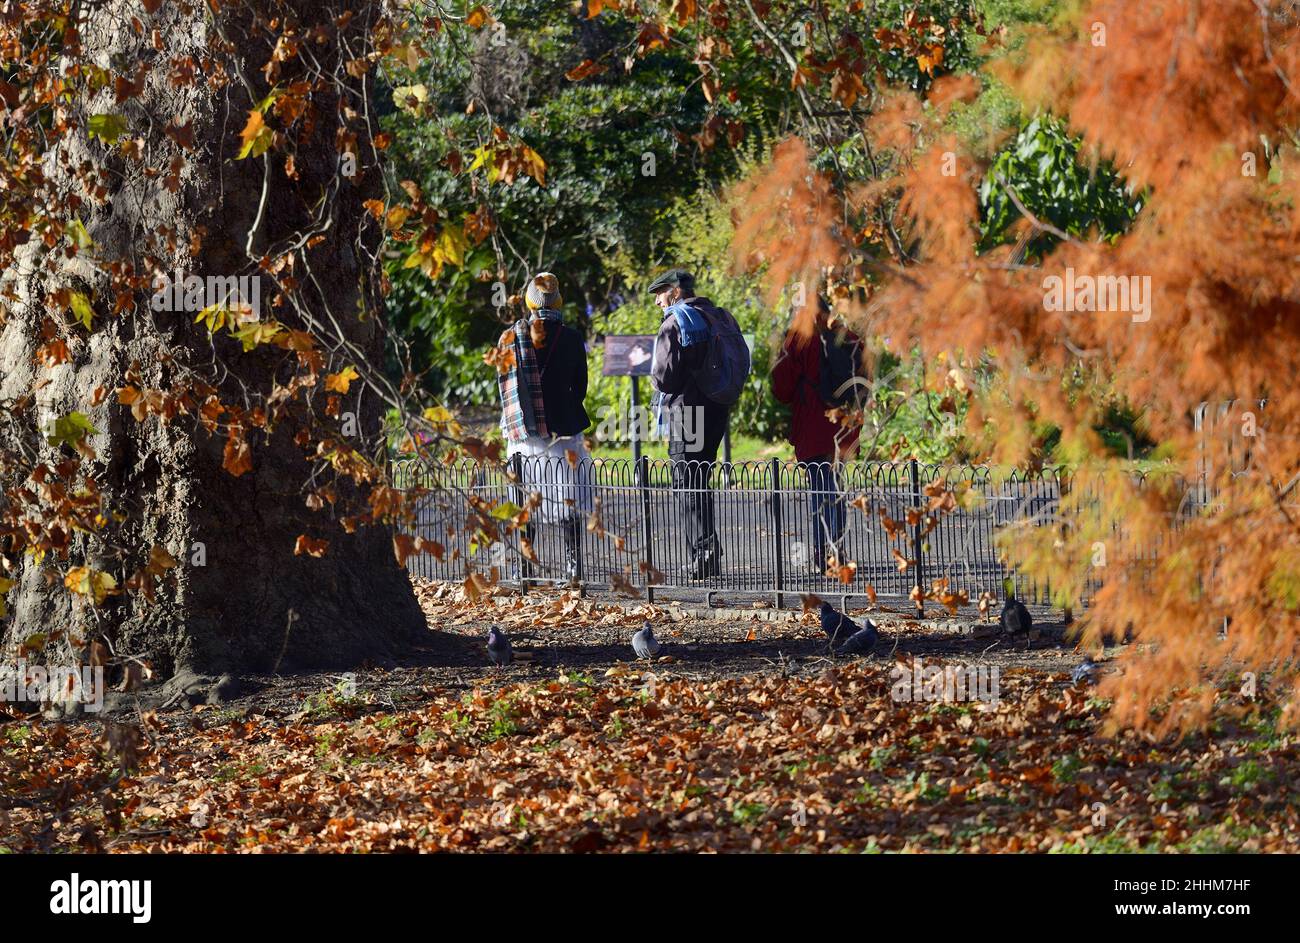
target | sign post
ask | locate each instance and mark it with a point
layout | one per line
(629, 355)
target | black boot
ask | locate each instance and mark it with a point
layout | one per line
(573, 552)
(706, 561)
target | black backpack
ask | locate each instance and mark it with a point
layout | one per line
(726, 363)
(839, 378)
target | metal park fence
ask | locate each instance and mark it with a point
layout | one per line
(765, 514)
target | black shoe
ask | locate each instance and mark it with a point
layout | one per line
(703, 566)
(573, 555)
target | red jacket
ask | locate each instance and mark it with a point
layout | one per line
(794, 381)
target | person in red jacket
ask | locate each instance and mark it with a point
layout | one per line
(818, 441)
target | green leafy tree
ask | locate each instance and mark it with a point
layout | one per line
(1042, 169)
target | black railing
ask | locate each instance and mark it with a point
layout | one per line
(631, 532)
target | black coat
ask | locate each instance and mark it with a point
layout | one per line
(562, 360)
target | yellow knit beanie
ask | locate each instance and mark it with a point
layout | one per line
(543, 292)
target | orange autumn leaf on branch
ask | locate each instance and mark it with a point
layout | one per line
(1206, 325)
(256, 136)
(237, 457)
(585, 70)
(341, 381)
(311, 546)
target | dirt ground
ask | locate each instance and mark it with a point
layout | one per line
(591, 636)
(745, 735)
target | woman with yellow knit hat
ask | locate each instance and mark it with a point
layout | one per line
(542, 414)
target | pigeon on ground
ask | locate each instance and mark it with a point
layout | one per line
(1084, 673)
(499, 647)
(837, 626)
(1016, 619)
(861, 642)
(644, 643)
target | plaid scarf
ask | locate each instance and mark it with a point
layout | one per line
(523, 411)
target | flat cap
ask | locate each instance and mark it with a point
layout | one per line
(673, 278)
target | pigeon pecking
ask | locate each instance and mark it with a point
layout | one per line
(1016, 619)
(1084, 673)
(644, 642)
(837, 626)
(498, 647)
(861, 642)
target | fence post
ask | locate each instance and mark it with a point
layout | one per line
(636, 420)
(647, 531)
(916, 537)
(726, 454)
(777, 528)
(1062, 490)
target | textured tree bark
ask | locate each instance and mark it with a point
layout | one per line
(239, 585)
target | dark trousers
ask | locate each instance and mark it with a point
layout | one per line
(693, 458)
(828, 512)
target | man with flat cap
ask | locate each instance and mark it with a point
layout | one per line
(699, 366)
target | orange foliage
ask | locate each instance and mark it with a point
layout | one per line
(1179, 96)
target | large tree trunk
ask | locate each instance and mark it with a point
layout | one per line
(228, 604)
